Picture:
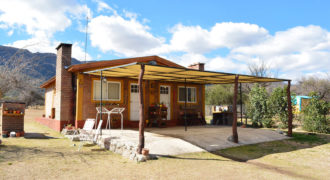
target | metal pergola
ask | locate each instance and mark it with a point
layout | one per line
(152, 71)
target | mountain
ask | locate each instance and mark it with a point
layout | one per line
(38, 65)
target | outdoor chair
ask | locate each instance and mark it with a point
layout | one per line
(90, 136)
(88, 126)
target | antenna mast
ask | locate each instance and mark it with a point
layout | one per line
(86, 37)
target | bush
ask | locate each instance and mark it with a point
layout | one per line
(278, 104)
(315, 115)
(258, 107)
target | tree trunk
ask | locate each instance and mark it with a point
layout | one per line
(141, 122)
(235, 135)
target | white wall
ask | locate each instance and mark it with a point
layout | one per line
(49, 93)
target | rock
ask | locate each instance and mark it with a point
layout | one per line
(107, 145)
(126, 153)
(113, 147)
(132, 156)
(279, 131)
(75, 138)
(141, 158)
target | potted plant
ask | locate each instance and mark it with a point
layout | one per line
(18, 134)
(4, 134)
(69, 127)
(5, 111)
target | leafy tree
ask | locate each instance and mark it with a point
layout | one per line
(278, 104)
(219, 94)
(319, 85)
(258, 107)
(315, 115)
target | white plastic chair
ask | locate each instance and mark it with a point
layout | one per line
(116, 111)
(104, 111)
(90, 136)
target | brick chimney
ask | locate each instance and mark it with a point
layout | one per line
(197, 66)
(64, 90)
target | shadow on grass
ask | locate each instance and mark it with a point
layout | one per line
(38, 136)
(255, 151)
(188, 158)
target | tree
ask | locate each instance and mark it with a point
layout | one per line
(315, 115)
(258, 107)
(278, 105)
(219, 94)
(14, 84)
(310, 84)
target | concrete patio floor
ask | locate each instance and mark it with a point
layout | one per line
(174, 140)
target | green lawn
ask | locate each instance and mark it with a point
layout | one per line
(302, 157)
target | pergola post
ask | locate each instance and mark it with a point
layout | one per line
(185, 104)
(234, 126)
(289, 109)
(141, 122)
(241, 102)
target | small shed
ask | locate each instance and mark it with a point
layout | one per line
(12, 116)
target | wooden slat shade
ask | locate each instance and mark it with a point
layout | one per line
(175, 74)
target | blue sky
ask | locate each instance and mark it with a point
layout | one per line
(291, 37)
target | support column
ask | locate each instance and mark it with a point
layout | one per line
(185, 104)
(289, 109)
(241, 102)
(234, 127)
(141, 122)
(79, 100)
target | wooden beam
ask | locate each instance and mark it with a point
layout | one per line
(234, 126)
(289, 109)
(141, 122)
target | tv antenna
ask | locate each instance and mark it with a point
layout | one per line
(86, 37)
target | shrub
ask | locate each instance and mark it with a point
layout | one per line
(258, 109)
(278, 105)
(315, 115)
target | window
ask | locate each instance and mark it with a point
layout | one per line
(110, 90)
(134, 88)
(191, 94)
(163, 90)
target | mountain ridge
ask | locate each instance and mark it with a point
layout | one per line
(40, 66)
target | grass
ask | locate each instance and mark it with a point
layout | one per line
(302, 157)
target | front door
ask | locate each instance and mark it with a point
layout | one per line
(165, 98)
(134, 102)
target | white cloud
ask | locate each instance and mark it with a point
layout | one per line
(195, 39)
(124, 36)
(102, 6)
(40, 17)
(40, 20)
(297, 49)
(10, 33)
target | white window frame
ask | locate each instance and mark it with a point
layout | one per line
(106, 98)
(188, 87)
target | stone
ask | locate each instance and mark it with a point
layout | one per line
(113, 147)
(141, 158)
(126, 153)
(75, 138)
(132, 156)
(107, 145)
(279, 131)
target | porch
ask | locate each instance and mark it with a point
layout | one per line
(174, 140)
